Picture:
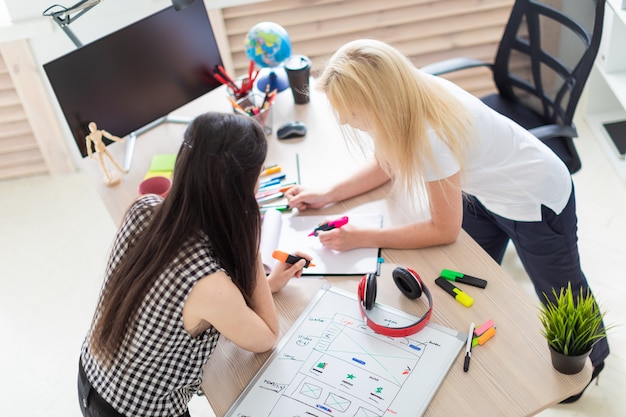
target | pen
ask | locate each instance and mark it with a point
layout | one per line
(279, 207)
(236, 106)
(269, 197)
(266, 97)
(248, 85)
(468, 348)
(270, 182)
(463, 279)
(334, 224)
(290, 259)
(274, 189)
(224, 74)
(276, 178)
(458, 295)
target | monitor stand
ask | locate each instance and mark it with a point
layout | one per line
(132, 137)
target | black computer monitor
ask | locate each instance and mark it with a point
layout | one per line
(138, 74)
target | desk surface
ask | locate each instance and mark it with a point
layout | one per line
(510, 375)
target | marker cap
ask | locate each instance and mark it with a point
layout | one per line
(454, 291)
(464, 299)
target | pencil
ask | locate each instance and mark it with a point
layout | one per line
(236, 106)
(266, 97)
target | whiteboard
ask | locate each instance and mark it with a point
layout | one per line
(331, 364)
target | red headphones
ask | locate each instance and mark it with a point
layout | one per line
(411, 285)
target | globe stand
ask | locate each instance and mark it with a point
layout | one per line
(276, 78)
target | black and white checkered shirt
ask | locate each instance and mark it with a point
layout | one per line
(160, 366)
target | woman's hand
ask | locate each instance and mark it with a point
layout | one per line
(340, 239)
(283, 272)
(301, 198)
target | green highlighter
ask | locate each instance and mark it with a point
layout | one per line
(463, 279)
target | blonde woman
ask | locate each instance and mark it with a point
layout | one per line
(481, 171)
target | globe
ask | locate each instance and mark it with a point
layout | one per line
(269, 46)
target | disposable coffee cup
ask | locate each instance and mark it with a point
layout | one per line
(298, 68)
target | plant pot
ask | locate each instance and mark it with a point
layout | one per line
(568, 365)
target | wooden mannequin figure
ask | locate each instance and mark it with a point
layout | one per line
(101, 151)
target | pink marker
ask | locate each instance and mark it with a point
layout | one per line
(484, 327)
(334, 224)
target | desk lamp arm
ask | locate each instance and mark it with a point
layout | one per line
(64, 17)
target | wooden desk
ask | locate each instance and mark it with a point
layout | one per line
(511, 375)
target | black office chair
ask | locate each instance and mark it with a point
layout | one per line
(542, 64)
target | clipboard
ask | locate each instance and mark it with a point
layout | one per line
(331, 363)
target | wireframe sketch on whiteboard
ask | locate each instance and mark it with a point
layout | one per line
(331, 364)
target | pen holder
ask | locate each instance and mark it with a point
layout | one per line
(243, 88)
(257, 107)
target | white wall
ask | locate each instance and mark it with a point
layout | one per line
(48, 41)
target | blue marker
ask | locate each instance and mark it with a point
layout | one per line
(272, 181)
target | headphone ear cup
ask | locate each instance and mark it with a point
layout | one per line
(407, 283)
(361, 290)
(370, 291)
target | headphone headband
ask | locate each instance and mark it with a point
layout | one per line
(411, 285)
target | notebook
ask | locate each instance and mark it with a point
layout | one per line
(289, 232)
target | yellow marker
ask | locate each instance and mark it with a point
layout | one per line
(456, 292)
(271, 170)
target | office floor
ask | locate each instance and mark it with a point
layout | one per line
(55, 234)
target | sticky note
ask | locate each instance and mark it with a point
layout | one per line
(163, 162)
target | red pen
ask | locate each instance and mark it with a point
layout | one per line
(334, 224)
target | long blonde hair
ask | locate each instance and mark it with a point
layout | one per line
(373, 79)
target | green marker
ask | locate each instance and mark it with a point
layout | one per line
(463, 279)
(279, 207)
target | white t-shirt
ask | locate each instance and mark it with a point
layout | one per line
(509, 170)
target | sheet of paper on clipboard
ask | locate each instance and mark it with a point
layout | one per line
(290, 233)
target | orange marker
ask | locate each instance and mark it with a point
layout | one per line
(488, 334)
(290, 259)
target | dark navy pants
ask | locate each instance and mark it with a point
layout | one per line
(548, 249)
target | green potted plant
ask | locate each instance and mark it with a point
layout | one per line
(571, 325)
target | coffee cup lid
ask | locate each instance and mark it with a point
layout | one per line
(296, 62)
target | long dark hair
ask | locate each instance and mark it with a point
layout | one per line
(216, 171)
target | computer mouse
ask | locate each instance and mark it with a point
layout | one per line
(290, 130)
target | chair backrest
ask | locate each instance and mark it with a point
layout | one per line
(546, 53)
